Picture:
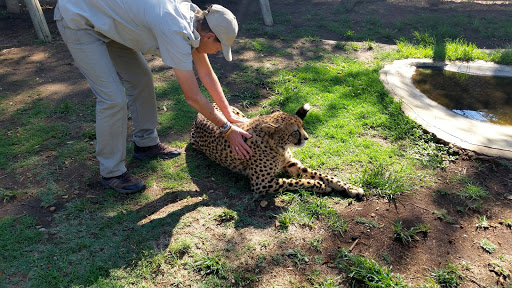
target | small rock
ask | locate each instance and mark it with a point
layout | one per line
(52, 209)
(372, 215)
(509, 197)
(263, 203)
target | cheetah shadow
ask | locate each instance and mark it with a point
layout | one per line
(225, 188)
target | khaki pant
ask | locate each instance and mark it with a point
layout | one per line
(117, 75)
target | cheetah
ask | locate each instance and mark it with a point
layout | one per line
(272, 137)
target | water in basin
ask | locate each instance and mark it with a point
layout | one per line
(483, 98)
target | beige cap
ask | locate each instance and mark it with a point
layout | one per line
(224, 26)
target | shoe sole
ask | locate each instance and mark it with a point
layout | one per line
(123, 191)
(174, 154)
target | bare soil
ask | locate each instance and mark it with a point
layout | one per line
(30, 70)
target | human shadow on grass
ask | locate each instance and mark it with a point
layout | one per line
(93, 237)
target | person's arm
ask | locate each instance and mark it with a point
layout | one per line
(194, 98)
(212, 84)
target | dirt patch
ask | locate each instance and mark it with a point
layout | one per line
(29, 70)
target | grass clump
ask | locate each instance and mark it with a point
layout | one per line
(407, 236)
(7, 195)
(488, 246)
(473, 192)
(448, 277)
(318, 280)
(227, 215)
(443, 215)
(482, 222)
(211, 265)
(367, 222)
(366, 272)
(178, 249)
(305, 209)
(382, 181)
(508, 223)
(298, 257)
(316, 243)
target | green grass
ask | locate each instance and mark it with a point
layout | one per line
(354, 124)
(369, 223)
(355, 128)
(406, 236)
(473, 192)
(443, 215)
(307, 209)
(17, 237)
(366, 272)
(508, 223)
(316, 243)
(211, 265)
(6, 195)
(298, 258)
(488, 246)
(424, 46)
(449, 277)
(178, 116)
(382, 181)
(482, 223)
(227, 216)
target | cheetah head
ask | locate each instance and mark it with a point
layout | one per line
(286, 130)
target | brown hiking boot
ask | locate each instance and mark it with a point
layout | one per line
(156, 151)
(125, 183)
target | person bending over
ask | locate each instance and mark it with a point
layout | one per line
(107, 40)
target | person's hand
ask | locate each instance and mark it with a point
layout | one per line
(238, 144)
(232, 118)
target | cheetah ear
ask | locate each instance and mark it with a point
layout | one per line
(269, 128)
(303, 111)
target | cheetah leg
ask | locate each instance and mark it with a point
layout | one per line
(280, 184)
(269, 184)
(296, 169)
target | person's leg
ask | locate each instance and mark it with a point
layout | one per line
(137, 79)
(92, 58)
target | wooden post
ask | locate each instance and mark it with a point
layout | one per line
(13, 6)
(267, 14)
(42, 31)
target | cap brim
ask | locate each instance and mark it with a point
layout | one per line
(226, 50)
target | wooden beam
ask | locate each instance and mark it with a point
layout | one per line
(267, 14)
(42, 31)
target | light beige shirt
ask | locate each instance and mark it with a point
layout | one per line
(160, 27)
